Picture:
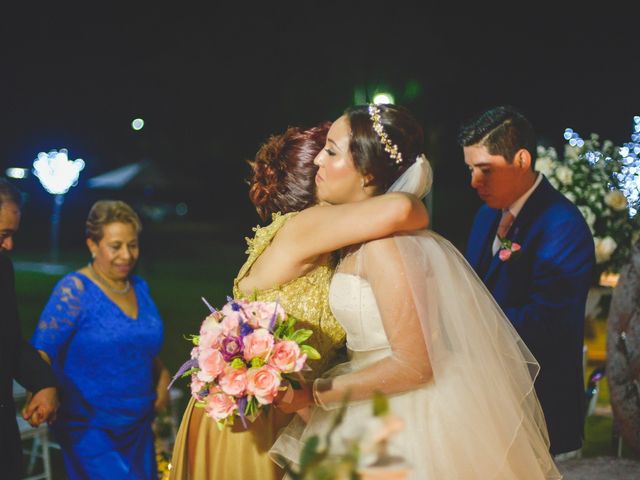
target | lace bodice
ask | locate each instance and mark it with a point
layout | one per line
(305, 297)
(102, 357)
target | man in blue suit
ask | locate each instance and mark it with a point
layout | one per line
(534, 251)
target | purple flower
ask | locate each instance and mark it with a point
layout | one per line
(234, 305)
(242, 404)
(189, 364)
(232, 347)
(245, 329)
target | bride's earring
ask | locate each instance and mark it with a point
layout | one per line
(362, 184)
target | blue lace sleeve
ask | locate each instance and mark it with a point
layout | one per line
(60, 317)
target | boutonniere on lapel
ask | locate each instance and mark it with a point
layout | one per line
(508, 249)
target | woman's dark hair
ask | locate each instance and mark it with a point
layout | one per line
(283, 173)
(367, 151)
(502, 130)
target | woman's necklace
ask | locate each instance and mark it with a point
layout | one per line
(104, 282)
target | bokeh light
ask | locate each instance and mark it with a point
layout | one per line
(137, 124)
(56, 172)
(383, 98)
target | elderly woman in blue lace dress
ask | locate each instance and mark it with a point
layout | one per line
(102, 332)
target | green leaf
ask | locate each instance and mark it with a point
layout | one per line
(295, 384)
(380, 404)
(300, 336)
(195, 339)
(291, 473)
(190, 372)
(252, 407)
(309, 451)
(290, 323)
(312, 353)
(278, 332)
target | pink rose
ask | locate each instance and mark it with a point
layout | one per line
(211, 322)
(196, 387)
(220, 405)
(263, 383)
(233, 381)
(231, 325)
(260, 314)
(515, 247)
(258, 344)
(286, 357)
(211, 334)
(234, 306)
(211, 364)
(504, 254)
(233, 312)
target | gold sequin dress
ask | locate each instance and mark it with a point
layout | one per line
(242, 454)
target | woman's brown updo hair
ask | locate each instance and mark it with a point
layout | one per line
(104, 212)
(369, 156)
(283, 173)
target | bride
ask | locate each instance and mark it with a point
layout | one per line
(420, 326)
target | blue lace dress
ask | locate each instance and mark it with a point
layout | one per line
(104, 362)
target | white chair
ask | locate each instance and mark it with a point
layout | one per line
(40, 445)
(39, 437)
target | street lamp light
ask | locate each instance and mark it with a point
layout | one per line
(383, 97)
(57, 174)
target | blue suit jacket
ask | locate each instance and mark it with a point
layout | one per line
(543, 291)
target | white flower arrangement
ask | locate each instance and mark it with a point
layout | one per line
(603, 181)
(365, 455)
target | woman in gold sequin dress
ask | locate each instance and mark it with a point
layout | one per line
(282, 184)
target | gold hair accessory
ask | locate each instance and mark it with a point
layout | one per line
(390, 148)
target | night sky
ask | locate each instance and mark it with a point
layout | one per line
(213, 83)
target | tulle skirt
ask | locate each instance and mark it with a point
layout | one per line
(432, 442)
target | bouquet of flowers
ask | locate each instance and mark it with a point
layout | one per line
(241, 357)
(603, 181)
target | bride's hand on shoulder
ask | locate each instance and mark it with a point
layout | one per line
(291, 400)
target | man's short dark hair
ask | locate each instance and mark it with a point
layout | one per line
(502, 130)
(9, 193)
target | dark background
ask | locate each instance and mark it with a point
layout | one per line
(212, 83)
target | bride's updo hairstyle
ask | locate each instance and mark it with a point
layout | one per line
(283, 173)
(368, 148)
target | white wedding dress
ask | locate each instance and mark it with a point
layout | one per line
(422, 329)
